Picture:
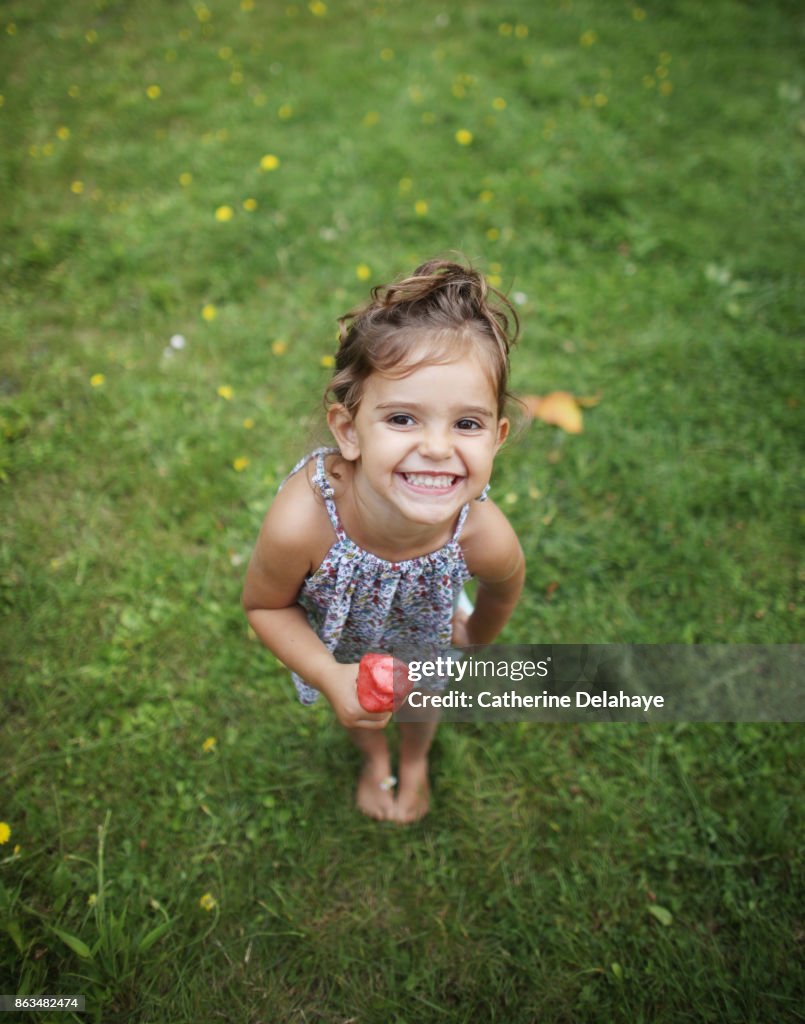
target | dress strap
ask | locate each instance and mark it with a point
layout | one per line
(327, 493)
(462, 516)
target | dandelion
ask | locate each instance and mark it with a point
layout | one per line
(521, 31)
(250, 205)
(406, 184)
(495, 280)
(224, 213)
(269, 162)
(638, 14)
(318, 8)
(279, 347)
(225, 391)
(225, 53)
(600, 99)
(420, 207)
(588, 38)
(285, 112)
(91, 36)
(371, 118)
(209, 312)
(493, 234)
(363, 272)
(97, 380)
(260, 99)
(463, 137)
(63, 132)
(153, 92)
(486, 196)
(185, 179)
(248, 423)
(236, 78)
(387, 54)
(247, 5)
(666, 88)
(240, 463)
(208, 902)
(5, 832)
(498, 103)
(178, 341)
(327, 362)
(76, 187)
(73, 91)
(505, 29)
(209, 744)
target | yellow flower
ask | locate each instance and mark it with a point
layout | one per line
(638, 14)
(185, 179)
(279, 347)
(363, 272)
(318, 8)
(493, 234)
(371, 118)
(327, 362)
(247, 5)
(600, 99)
(269, 162)
(486, 196)
(5, 832)
(666, 88)
(153, 92)
(225, 391)
(208, 902)
(498, 103)
(209, 312)
(387, 54)
(495, 280)
(236, 78)
(285, 112)
(225, 52)
(208, 744)
(77, 187)
(91, 36)
(63, 132)
(92, 899)
(97, 380)
(463, 137)
(505, 29)
(73, 91)
(521, 31)
(588, 38)
(260, 99)
(224, 213)
(420, 207)
(248, 423)
(240, 463)
(406, 184)
(250, 205)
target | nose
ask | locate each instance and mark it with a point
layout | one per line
(436, 443)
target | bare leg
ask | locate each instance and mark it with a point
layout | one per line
(413, 798)
(374, 796)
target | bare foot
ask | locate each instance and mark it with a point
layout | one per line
(375, 793)
(413, 798)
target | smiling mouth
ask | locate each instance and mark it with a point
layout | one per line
(431, 481)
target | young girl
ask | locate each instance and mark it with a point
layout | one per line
(369, 544)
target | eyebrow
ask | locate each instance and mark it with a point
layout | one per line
(463, 410)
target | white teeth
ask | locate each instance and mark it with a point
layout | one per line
(427, 480)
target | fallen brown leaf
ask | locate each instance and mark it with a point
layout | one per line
(559, 408)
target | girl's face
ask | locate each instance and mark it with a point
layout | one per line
(424, 443)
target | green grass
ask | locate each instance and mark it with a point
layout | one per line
(640, 193)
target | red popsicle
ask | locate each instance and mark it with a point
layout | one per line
(383, 682)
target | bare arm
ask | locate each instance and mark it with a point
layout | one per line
(493, 554)
(289, 537)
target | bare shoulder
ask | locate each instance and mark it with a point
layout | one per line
(490, 546)
(294, 538)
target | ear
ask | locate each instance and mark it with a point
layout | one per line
(342, 427)
(503, 432)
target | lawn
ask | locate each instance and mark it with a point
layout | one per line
(192, 194)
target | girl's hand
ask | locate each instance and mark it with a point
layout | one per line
(461, 632)
(342, 692)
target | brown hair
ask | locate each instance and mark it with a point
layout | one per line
(453, 303)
